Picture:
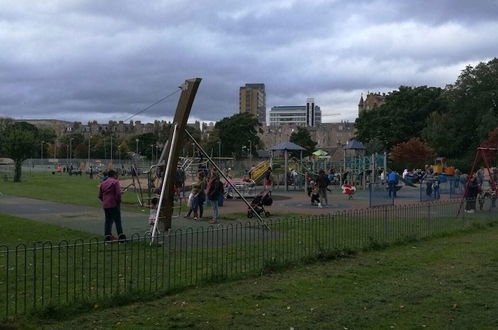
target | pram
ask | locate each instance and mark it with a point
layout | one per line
(259, 202)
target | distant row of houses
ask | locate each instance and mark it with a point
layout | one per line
(284, 120)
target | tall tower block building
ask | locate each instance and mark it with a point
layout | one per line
(252, 99)
(310, 112)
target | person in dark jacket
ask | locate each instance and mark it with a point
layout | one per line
(322, 182)
(110, 195)
(213, 191)
(471, 194)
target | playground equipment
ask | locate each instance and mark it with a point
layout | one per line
(441, 167)
(259, 170)
(491, 191)
(137, 187)
(285, 147)
(358, 169)
(170, 157)
(348, 190)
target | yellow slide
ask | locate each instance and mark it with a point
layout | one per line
(259, 171)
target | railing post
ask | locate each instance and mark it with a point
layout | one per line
(34, 275)
(6, 280)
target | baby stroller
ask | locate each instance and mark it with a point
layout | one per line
(259, 202)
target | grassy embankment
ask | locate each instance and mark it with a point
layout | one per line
(78, 190)
(449, 282)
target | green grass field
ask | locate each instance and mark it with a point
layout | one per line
(78, 190)
(68, 275)
(449, 282)
(16, 230)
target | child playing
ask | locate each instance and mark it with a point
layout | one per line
(315, 197)
(152, 213)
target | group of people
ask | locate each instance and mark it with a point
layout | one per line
(318, 187)
(429, 177)
(204, 188)
(478, 189)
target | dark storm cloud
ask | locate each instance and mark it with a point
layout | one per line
(84, 60)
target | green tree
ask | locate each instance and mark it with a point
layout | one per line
(146, 142)
(19, 142)
(471, 112)
(234, 133)
(46, 136)
(401, 117)
(302, 138)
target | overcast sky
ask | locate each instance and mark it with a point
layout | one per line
(105, 60)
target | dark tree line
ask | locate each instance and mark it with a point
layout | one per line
(453, 120)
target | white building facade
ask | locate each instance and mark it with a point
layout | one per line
(308, 115)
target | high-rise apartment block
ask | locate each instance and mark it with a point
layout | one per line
(252, 99)
(310, 112)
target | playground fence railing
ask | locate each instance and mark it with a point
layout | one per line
(40, 275)
(378, 195)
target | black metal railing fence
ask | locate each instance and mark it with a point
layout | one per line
(42, 274)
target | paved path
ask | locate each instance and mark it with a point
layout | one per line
(91, 219)
(83, 218)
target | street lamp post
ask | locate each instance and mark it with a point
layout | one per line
(136, 151)
(41, 150)
(219, 149)
(67, 155)
(71, 149)
(111, 148)
(250, 152)
(119, 155)
(55, 149)
(89, 139)
(152, 153)
(193, 150)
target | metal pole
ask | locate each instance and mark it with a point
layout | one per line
(286, 169)
(163, 186)
(225, 177)
(250, 151)
(111, 148)
(71, 150)
(89, 138)
(385, 164)
(343, 168)
(41, 149)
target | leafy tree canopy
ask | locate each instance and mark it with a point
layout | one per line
(235, 132)
(401, 117)
(471, 112)
(302, 138)
(19, 142)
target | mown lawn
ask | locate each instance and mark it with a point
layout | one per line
(450, 282)
(16, 230)
(79, 190)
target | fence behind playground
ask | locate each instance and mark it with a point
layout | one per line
(48, 274)
(426, 190)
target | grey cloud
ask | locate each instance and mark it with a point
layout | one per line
(109, 59)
